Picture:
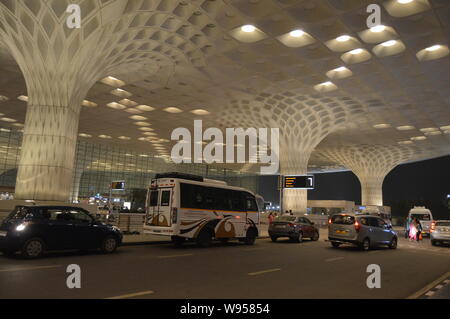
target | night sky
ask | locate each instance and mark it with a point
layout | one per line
(422, 183)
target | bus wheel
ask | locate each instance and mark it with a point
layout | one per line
(251, 237)
(204, 239)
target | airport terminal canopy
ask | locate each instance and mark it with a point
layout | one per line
(137, 69)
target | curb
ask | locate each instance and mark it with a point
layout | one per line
(429, 287)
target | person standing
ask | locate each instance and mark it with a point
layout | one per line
(271, 218)
(419, 230)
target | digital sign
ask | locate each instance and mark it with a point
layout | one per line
(299, 182)
(120, 185)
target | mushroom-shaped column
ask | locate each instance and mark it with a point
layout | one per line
(59, 66)
(303, 120)
(371, 164)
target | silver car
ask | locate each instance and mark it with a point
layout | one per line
(364, 231)
(440, 232)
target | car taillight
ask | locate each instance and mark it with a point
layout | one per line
(433, 227)
(357, 226)
(329, 221)
(291, 225)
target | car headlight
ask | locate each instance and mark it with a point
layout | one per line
(21, 227)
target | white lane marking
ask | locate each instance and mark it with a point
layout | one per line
(174, 256)
(29, 268)
(263, 271)
(136, 294)
(333, 259)
(428, 287)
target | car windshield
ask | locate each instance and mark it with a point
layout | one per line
(447, 224)
(343, 219)
(421, 216)
(20, 212)
(286, 218)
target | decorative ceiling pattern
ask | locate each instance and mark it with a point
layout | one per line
(150, 66)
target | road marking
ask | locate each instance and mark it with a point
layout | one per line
(263, 271)
(428, 287)
(174, 256)
(136, 294)
(29, 268)
(333, 259)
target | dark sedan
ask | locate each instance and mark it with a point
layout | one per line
(32, 230)
(294, 227)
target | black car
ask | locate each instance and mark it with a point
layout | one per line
(32, 230)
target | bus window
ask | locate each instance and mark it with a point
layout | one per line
(154, 198)
(165, 198)
(251, 205)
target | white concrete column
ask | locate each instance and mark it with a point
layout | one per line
(371, 190)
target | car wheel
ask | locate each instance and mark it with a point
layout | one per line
(109, 245)
(204, 239)
(274, 238)
(315, 237)
(250, 237)
(365, 244)
(393, 243)
(298, 238)
(335, 244)
(33, 248)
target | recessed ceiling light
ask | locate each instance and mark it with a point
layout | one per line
(105, 136)
(405, 128)
(85, 135)
(112, 81)
(340, 69)
(147, 129)
(138, 118)
(23, 98)
(326, 83)
(405, 142)
(115, 105)
(128, 102)
(343, 38)
(418, 138)
(89, 103)
(121, 93)
(429, 129)
(133, 111)
(7, 119)
(248, 28)
(404, 1)
(433, 48)
(382, 125)
(356, 51)
(149, 133)
(445, 128)
(200, 112)
(3, 98)
(145, 108)
(4, 130)
(18, 125)
(297, 33)
(125, 138)
(142, 123)
(433, 133)
(389, 43)
(378, 28)
(173, 110)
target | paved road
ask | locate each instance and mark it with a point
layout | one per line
(265, 270)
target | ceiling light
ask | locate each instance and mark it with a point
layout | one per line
(405, 128)
(149, 133)
(340, 69)
(343, 38)
(382, 126)
(433, 48)
(433, 133)
(327, 83)
(23, 98)
(145, 108)
(429, 129)
(378, 28)
(405, 142)
(418, 138)
(200, 112)
(133, 111)
(112, 81)
(445, 128)
(404, 1)
(3, 98)
(116, 106)
(138, 118)
(142, 123)
(297, 33)
(173, 110)
(147, 129)
(389, 43)
(128, 102)
(121, 93)
(105, 136)
(85, 135)
(7, 119)
(125, 138)
(248, 28)
(356, 51)
(89, 103)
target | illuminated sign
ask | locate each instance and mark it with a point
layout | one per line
(299, 182)
(119, 185)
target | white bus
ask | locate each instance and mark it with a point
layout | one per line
(185, 206)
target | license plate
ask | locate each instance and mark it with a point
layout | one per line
(341, 232)
(2, 233)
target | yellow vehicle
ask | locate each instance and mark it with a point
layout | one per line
(185, 207)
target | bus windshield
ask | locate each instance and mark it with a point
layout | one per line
(421, 216)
